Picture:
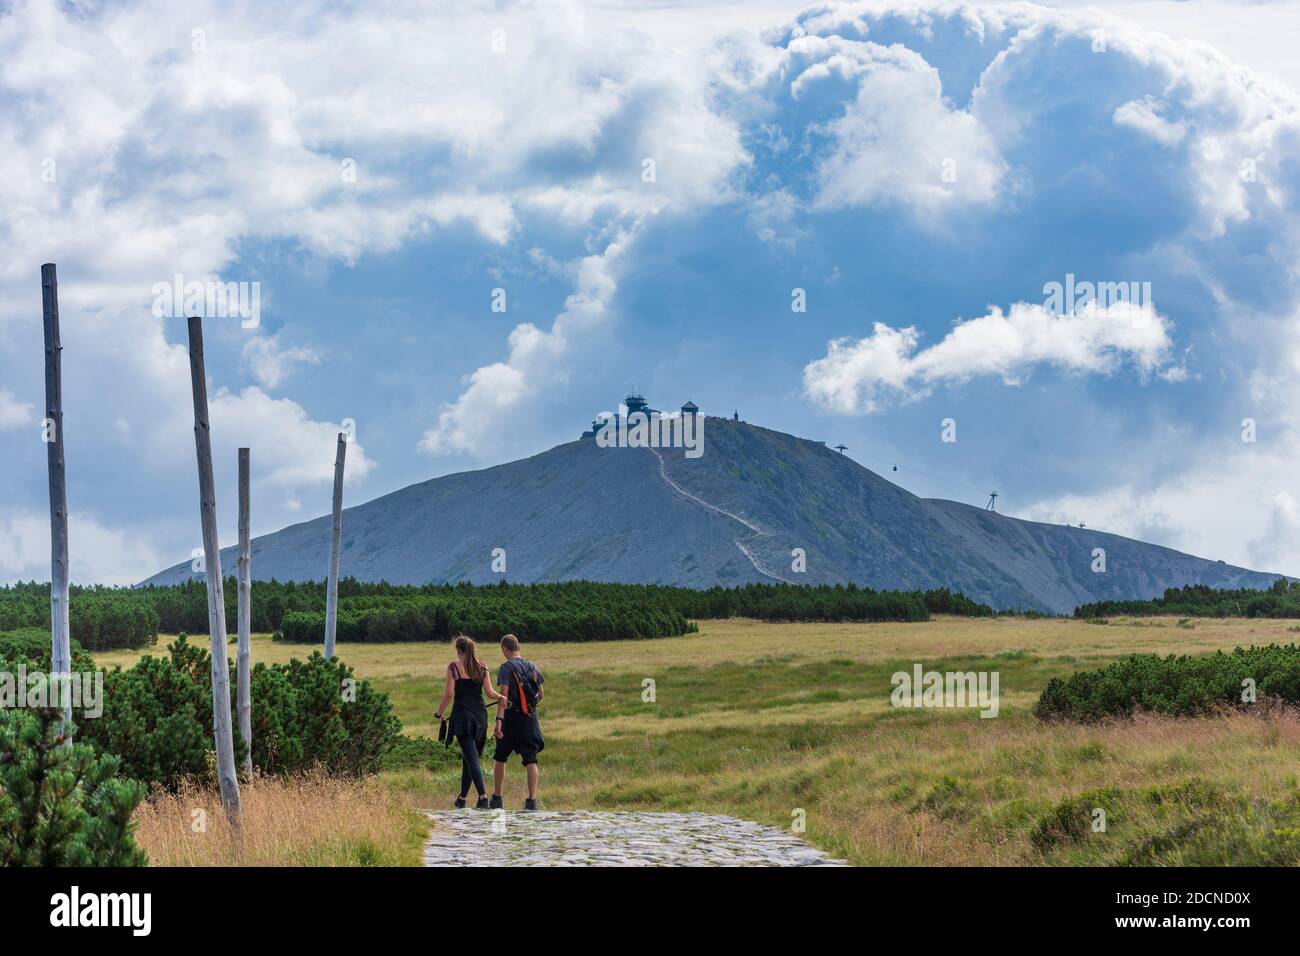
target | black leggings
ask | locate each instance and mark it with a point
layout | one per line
(470, 770)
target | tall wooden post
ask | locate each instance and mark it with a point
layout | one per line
(221, 723)
(60, 644)
(332, 586)
(243, 693)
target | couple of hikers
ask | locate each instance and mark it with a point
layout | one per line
(516, 728)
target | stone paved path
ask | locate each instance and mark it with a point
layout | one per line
(584, 838)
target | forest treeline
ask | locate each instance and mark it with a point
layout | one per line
(1200, 600)
(105, 617)
(99, 617)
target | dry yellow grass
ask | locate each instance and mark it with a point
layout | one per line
(312, 820)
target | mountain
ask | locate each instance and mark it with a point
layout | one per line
(730, 516)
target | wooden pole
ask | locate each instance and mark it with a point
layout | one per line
(221, 724)
(243, 694)
(332, 587)
(60, 643)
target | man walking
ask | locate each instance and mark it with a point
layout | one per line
(517, 730)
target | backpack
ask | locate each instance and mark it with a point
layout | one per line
(524, 690)
(522, 696)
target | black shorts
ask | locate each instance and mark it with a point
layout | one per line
(522, 736)
(508, 745)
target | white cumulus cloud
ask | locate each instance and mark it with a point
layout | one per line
(98, 554)
(290, 449)
(860, 375)
(899, 139)
(1144, 115)
(271, 363)
(534, 357)
(13, 413)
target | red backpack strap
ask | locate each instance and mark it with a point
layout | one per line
(523, 698)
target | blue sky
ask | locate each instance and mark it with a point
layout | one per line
(919, 170)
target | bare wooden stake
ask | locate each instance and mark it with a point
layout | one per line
(244, 702)
(221, 723)
(332, 587)
(60, 645)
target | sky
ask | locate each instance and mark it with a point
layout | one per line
(465, 229)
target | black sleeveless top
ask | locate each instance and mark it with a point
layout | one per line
(468, 713)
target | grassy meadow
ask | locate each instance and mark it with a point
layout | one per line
(761, 720)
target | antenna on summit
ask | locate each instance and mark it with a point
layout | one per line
(993, 496)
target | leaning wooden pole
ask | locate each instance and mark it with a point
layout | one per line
(332, 586)
(60, 644)
(221, 724)
(243, 695)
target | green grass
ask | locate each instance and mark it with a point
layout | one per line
(761, 720)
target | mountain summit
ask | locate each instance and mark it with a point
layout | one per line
(735, 514)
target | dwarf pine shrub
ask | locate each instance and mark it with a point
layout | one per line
(1176, 686)
(306, 714)
(61, 806)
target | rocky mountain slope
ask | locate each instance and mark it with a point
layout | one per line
(733, 515)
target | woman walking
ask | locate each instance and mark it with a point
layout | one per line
(468, 680)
